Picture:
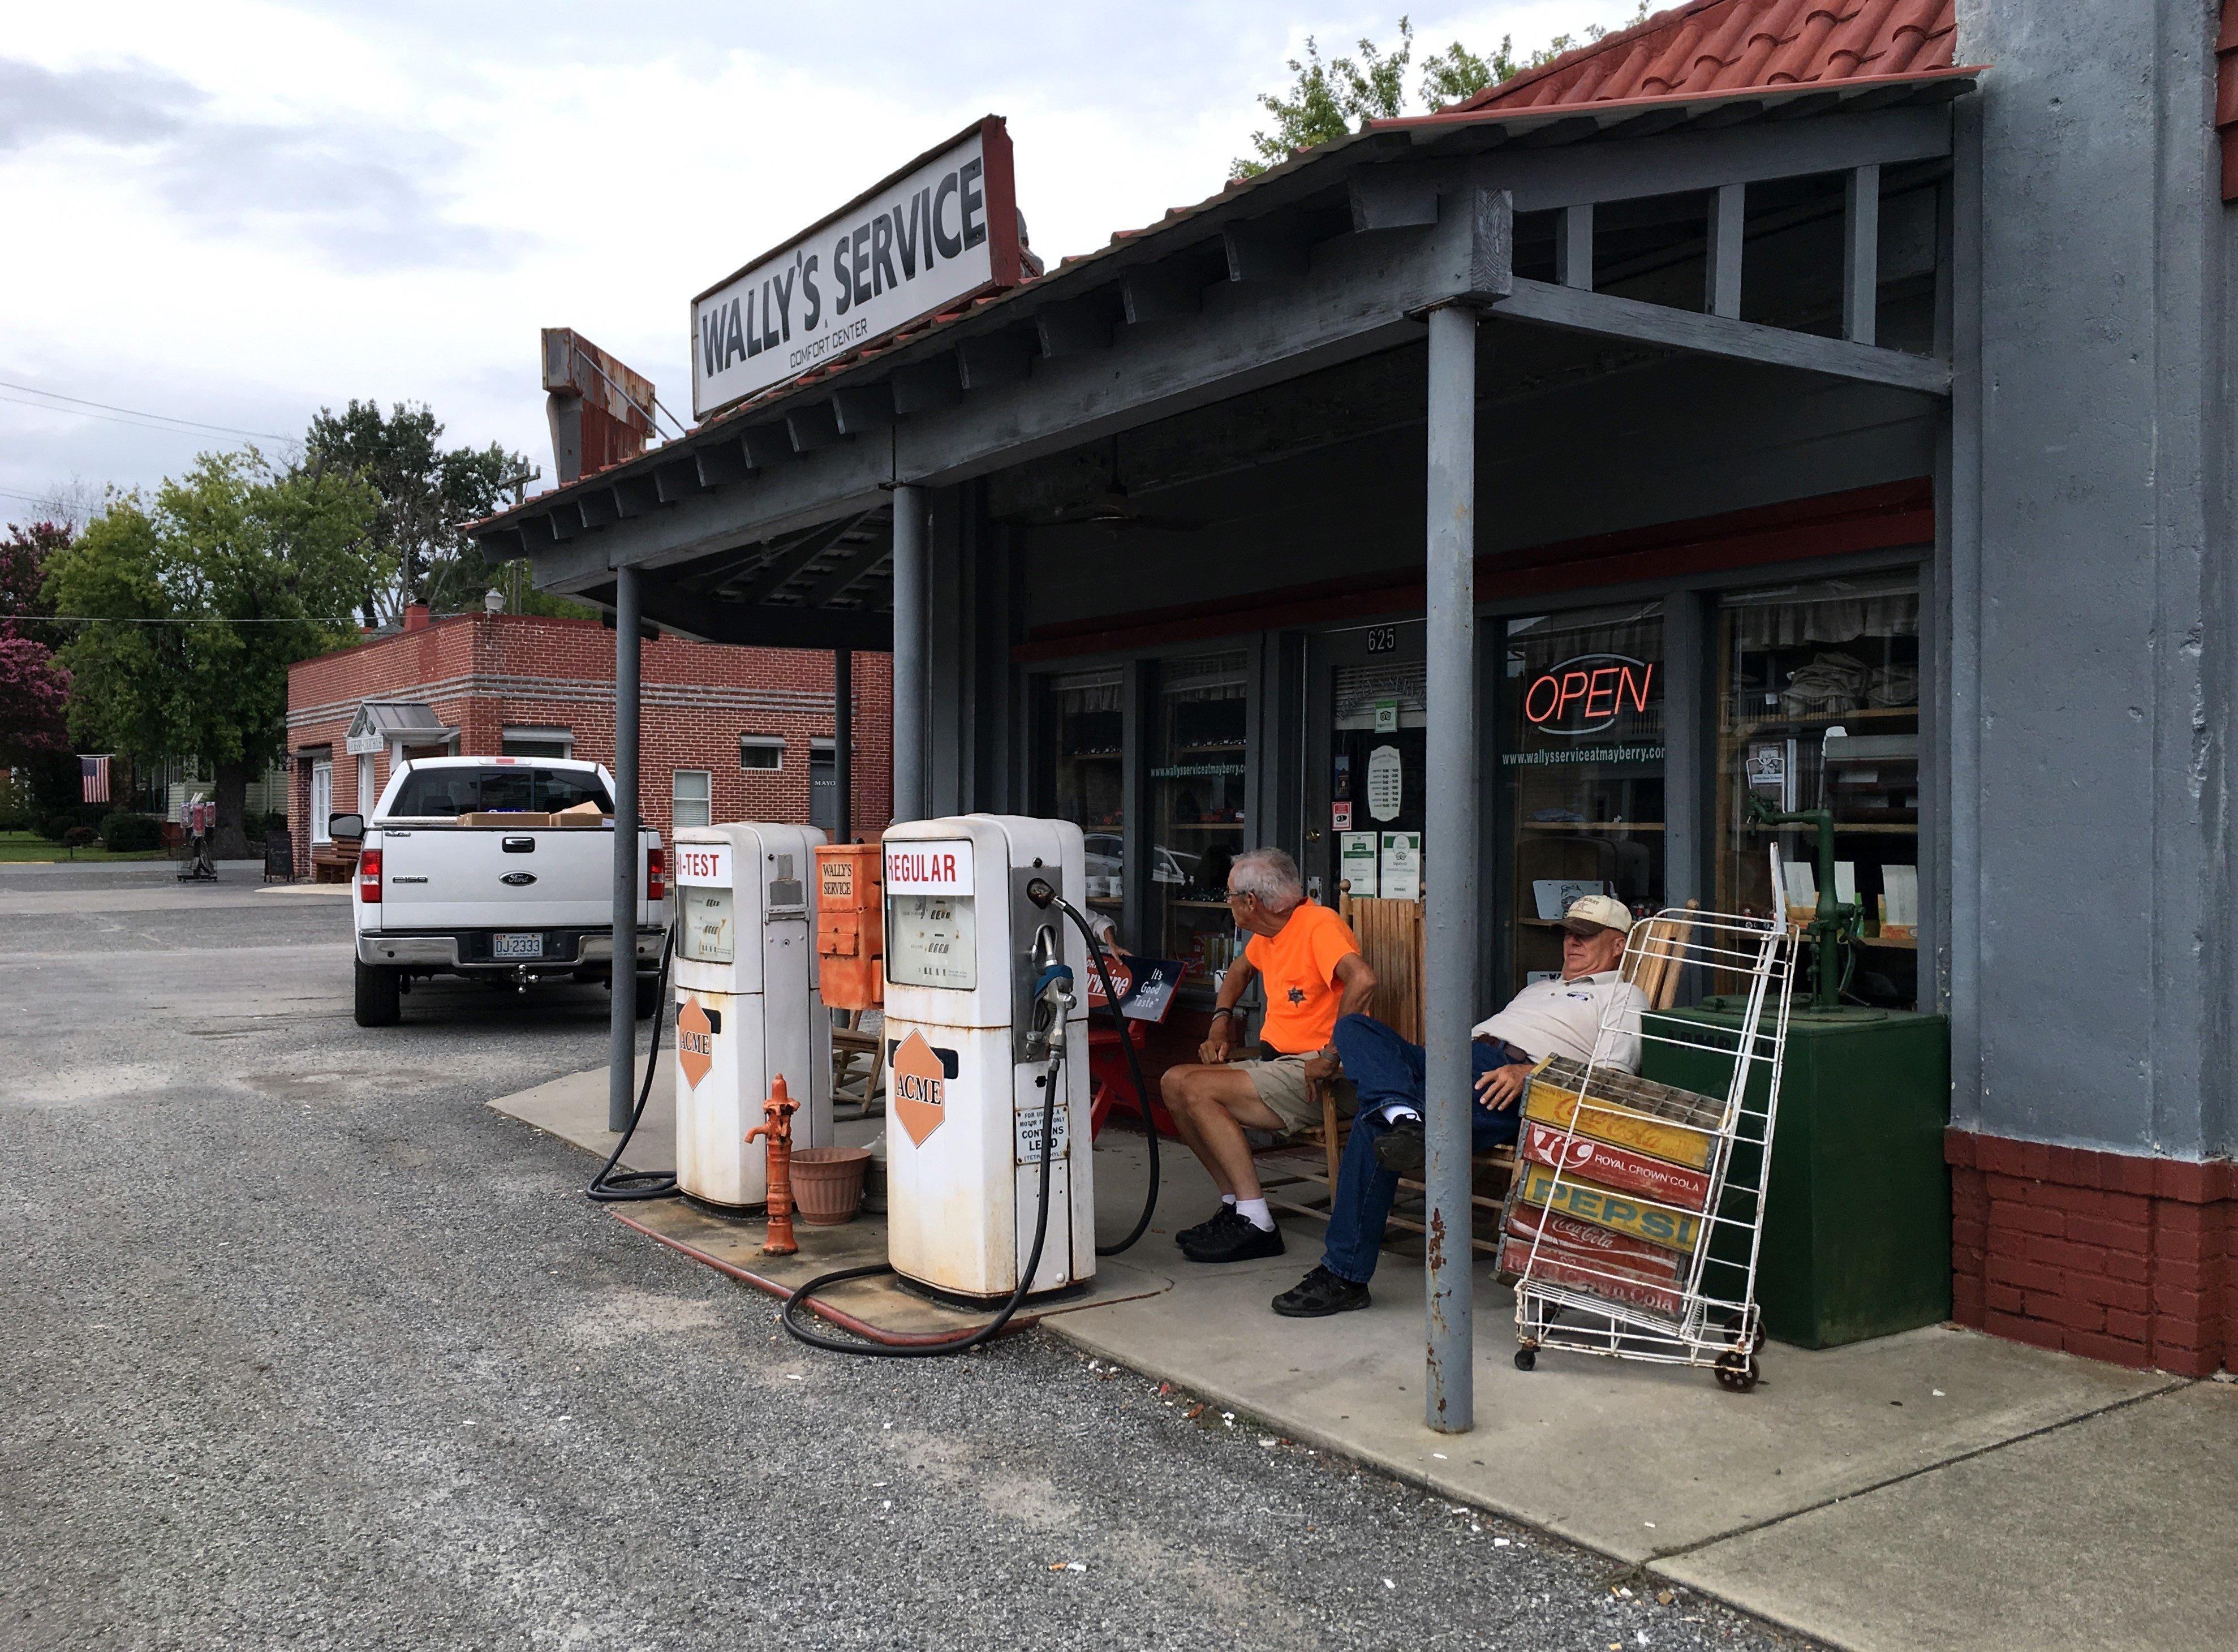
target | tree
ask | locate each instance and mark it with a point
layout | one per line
(205, 598)
(1327, 99)
(34, 690)
(424, 491)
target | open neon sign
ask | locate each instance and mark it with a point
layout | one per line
(1586, 695)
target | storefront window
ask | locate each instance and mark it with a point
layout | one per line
(1818, 691)
(1086, 776)
(1197, 825)
(1582, 768)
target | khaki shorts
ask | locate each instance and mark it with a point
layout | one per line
(1282, 1087)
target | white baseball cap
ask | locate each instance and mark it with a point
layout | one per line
(1590, 913)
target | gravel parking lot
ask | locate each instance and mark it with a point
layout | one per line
(303, 1345)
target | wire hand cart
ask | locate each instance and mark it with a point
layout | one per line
(1634, 1220)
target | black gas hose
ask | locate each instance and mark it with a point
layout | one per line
(631, 1185)
(1041, 894)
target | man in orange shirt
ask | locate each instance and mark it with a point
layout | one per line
(1314, 973)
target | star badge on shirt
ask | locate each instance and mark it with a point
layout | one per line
(1297, 995)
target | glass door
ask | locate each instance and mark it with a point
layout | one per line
(1198, 767)
(1365, 750)
(1084, 772)
(1582, 769)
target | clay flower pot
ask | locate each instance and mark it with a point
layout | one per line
(827, 1184)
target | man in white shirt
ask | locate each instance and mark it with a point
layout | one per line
(1588, 1005)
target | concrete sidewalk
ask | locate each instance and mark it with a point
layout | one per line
(1936, 1489)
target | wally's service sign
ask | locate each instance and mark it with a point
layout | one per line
(942, 229)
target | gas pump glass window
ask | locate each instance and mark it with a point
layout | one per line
(709, 932)
(1583, 769)
(1084, 779)
(1818, 707)
(1196, 788)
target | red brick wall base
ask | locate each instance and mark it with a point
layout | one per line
(2113, 1256)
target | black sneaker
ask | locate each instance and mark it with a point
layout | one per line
(1400, 1150)
(1240, 1239)
(1320, 1294)
(1211, 1224)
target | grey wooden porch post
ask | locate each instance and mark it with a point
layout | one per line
(1449, 871)
(621, 1048)
(910, 686)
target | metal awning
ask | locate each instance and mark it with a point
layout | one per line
(381, 723)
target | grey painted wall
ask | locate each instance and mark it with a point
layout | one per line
(2091, 907)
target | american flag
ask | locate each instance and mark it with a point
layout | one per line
(93, 778)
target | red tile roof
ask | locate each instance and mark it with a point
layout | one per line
(1709, 46)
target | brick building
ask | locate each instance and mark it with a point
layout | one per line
(730, 733)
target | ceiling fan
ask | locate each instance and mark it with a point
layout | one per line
(1113, 511)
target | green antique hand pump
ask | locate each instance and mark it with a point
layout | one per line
(1833, 927)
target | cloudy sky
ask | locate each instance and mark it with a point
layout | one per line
(236, 213)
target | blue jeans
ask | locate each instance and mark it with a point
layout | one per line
(1384, 1068)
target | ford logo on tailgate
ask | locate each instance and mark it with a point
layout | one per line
(519, 880)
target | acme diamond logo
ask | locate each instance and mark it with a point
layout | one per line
(920, 1085)
(695, 1042)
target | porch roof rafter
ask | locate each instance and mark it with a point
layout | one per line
(1337, 254)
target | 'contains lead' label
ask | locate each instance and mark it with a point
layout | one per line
(1604, 1207)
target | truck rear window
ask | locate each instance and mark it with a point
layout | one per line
(443, 792)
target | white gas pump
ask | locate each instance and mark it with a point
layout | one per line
(973, 1016)
(746, 1004)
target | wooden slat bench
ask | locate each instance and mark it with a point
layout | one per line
(334, 863)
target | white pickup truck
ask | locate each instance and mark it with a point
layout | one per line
(496, 868)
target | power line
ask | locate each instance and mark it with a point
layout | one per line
(80, 401)
(184, 427)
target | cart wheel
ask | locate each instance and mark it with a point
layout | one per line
(1733, 1325)
(1526, 1358)
(1737, 1372)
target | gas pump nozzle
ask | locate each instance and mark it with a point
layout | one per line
(1052, 1000)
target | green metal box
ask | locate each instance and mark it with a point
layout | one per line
(1856, 1232)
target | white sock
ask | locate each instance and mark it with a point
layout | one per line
(1228, 1198)
(1394, 1112)
(1255, 1211)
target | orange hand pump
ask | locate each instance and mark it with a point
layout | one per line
(777, 1110)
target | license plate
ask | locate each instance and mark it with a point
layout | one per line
(529, 946)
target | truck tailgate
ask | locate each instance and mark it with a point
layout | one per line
(498, 876)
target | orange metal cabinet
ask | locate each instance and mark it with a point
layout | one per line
(851, 931)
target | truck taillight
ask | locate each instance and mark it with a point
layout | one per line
(656, 874)
(368, 874)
